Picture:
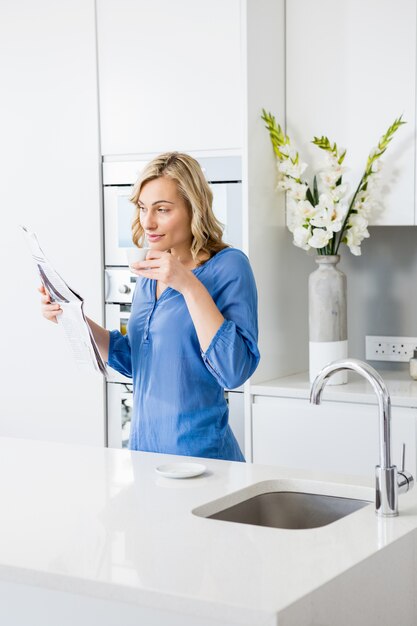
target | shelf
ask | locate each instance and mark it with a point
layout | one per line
(402, 389)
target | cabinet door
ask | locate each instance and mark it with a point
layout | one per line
(169, 75)
(236, 404)
(351, 70)
(335, 436)
(49, 152)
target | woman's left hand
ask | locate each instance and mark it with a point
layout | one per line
(166, 268)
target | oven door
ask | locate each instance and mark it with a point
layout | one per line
(119, 213)
(118, 218)
(119, 414)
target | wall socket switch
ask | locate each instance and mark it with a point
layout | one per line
(390, 348)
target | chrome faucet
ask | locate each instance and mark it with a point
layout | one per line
(389, 480)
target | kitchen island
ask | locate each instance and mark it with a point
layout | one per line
(97, 536)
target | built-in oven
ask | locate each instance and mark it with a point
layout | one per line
(224, 176)
(119, 284)
(120, 406)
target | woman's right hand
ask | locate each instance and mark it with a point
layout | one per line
(49, 309)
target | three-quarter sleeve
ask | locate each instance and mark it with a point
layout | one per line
(233, 354)
(120, 357)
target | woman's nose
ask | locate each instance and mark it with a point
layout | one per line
(149, 220)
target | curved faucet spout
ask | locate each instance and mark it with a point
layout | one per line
(382, 395)
(389, 481)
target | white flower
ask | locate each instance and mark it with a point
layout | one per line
(320, 238)
(376, 166)
(295, 170)
(285, 184)
(329, 220)
(287, 151)
(301, 237)
(330, 177)
(356, 232)
(305, 209)
(339, 192)
(353, 241)
(328, 214)
(330, 161)
(359, 224)
(293, 218)
(295, 190)
(298, 213)
(364, 205)
(298, 191)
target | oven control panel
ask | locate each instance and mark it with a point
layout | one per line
(119, 285)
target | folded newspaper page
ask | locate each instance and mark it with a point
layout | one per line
(72, 320)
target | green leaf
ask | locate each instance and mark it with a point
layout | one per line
(309, 197)
(316, 191)
(342, 157)
(276, 134)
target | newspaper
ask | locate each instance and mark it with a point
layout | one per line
(72, 319)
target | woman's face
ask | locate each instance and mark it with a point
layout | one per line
(164, 216)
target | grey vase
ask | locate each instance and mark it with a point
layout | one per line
(327, 317)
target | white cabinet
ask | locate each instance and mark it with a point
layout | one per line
(49, 162)
(351, 70)
(339, 437)
(169, 75)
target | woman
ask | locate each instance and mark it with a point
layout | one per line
(193, 325)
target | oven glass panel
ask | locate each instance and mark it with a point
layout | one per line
(125, 214)
(124, 308)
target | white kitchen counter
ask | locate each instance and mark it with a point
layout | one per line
(100, 532)
(402, 388)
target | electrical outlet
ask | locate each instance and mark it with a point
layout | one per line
(390, 348)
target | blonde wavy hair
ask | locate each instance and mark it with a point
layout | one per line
(206, 229)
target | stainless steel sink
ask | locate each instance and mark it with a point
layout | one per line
(289, 509)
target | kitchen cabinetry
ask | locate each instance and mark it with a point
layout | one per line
(50, 164)
(169, 75)
(351, 70)
(336, 437)
(340, 435)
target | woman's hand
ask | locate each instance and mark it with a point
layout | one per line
(49, 309)
(166, 268)
(206, 317)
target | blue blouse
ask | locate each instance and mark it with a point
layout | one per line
(178, 390)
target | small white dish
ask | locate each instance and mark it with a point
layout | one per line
(180, 470)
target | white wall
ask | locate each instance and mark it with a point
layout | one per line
(351, 71)
(382, 288)
(49, 155)
(278, 266)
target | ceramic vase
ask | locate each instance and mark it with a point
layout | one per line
(327, 317)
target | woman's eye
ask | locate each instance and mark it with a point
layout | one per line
(142, 209)
(162, 209)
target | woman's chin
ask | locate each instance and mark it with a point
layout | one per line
(158, 247)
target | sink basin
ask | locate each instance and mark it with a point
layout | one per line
(289, 509)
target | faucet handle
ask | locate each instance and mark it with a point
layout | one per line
(405, 479)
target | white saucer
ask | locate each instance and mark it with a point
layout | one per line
(180, 470)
